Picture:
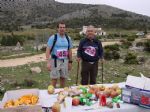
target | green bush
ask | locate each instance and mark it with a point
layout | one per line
(78, 37)
(139, 44)
(126, 44)
(111, 52)
(116, 55)
(108, 54)
(147, 46)
(29, 37)
(112, 47)
(11, 40)
(131, 38)
(131, 58)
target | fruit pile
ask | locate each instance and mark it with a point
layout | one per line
(29, 99)
(112, 91)
(88, 95)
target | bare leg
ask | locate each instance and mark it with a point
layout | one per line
(54, 82)
(62, 82)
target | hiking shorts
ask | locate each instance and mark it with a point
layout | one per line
(61, 70)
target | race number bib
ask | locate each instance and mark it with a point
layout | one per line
(90, 51)
(62, 53)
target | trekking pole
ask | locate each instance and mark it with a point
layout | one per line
(78, 66)
(102, 71)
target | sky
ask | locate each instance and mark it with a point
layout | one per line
(137, 6)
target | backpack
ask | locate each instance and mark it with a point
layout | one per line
(55, 39)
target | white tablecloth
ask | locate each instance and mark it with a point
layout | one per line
(48, 100)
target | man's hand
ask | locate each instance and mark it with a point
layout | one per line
(78, 59)
(48, 66)
(102, 60)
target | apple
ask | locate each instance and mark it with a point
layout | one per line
(92, 91)
(113, 94)
(101, 87)
(118, 91)
(75, 101)
(51, 89)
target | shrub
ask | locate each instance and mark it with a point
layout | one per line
(116, 55)
(108, 54)
(112, 47)
(11, 40)
(99, 37)
(30, 37)
(2, 90)
(147, 46)
(78, 37)
(139, 44)
(131, 58)
(126, 44)
(131, 38)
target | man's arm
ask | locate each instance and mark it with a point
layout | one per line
(48, 53)
(49, 46)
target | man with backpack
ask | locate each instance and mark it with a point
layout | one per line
(89, 51)
(59, 55)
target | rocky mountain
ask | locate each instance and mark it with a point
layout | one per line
(49, 11)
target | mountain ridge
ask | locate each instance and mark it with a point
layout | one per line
(26, 12)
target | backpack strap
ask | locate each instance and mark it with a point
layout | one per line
(54, 42)
(68, 40)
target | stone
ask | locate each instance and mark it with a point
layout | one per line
(35, 70)
(18, 87)
(121, 60)
(18, 47)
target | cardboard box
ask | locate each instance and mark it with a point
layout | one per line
(131, 95)
(126, 95)
(142, 82)
(15, 94)
(145, 99)
(35, 108)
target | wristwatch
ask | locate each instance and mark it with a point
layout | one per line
(70, 61)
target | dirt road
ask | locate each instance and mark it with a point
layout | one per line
(36, 58)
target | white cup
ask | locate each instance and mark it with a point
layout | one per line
(68, 103)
